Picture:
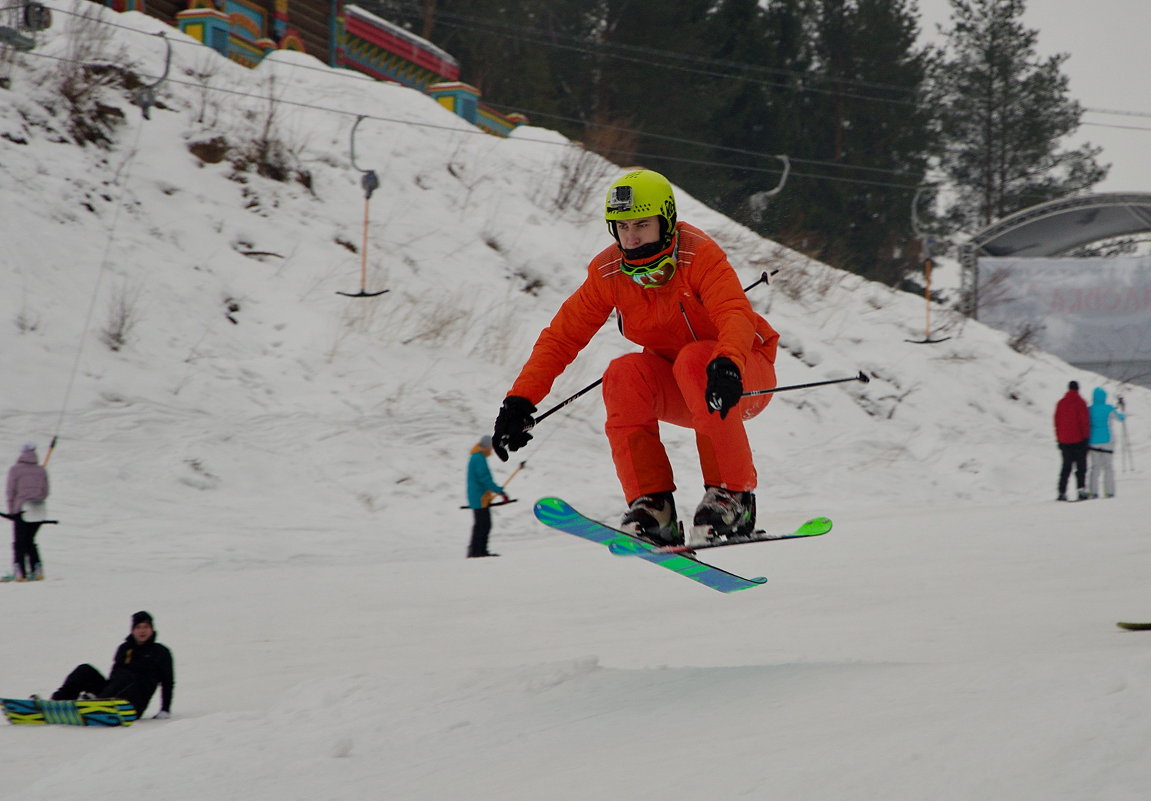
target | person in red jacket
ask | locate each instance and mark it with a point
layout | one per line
(677, 297)
(1072, 432)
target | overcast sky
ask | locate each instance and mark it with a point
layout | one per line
(1109, 42)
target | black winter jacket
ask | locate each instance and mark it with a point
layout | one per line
(136, 672)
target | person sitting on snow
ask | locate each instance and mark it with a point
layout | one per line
(140, 666)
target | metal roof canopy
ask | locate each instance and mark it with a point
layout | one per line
(1058, 226)
(1054, 228)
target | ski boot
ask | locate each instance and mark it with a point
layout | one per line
(652, 518)
(722, 513)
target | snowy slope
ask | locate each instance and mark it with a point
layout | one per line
(273, 470)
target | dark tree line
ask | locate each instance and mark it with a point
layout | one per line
(710, 91)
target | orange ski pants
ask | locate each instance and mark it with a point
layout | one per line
(642, 389)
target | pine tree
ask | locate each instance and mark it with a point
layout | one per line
(530, 54)
(650, 76)
(709, 91)
(866, 139)
(1003, 111)
(761, 53)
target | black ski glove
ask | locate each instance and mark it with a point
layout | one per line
(512, 426)
(724, 386)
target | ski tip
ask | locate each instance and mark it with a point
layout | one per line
(1134, 626)
(550, 504)
(752, 582)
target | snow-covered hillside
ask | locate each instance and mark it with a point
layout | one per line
(274, 470)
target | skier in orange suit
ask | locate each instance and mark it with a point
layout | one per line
(677, 296)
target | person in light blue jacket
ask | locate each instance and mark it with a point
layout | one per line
(481, 489)
(1100, 446)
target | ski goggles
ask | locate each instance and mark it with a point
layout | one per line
(653, 274)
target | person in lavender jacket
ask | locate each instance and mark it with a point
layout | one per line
(27, 491)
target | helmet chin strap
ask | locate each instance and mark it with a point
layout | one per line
(643, 252)
(649, 252)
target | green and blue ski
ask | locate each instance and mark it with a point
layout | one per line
(814, 527)
(558, 514)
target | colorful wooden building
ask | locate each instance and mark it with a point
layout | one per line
(339, 34)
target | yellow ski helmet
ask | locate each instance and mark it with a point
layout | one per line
(641, 193)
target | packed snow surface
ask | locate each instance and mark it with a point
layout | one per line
(274, 471)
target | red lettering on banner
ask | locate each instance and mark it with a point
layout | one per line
(1099, 300)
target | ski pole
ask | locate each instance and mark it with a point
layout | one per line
(493, 503)
(514, 472)
(564, 403)
(507, 481)
(861, 377)
(1128, 459)
(764, 278)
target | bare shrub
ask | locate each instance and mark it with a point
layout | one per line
(614, 138)
(123, 316)
(806, 279)
(89, 66)
(995, 288)
(268, 149)
(497, 333)
(1025, 338)
(26, 321)
(441, 320)
(207, 108)
(581, 174)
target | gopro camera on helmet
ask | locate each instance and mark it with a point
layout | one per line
(621, 198)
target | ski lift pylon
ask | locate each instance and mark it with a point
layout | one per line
(145, 95)
(34, 17)
(782, 179)
(928, 264)
(370, 183)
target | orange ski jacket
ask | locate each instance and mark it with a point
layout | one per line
(703, 301)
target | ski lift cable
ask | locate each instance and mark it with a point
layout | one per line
(193, 43)
(103, 268)
(535, 113)
(480, 132)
